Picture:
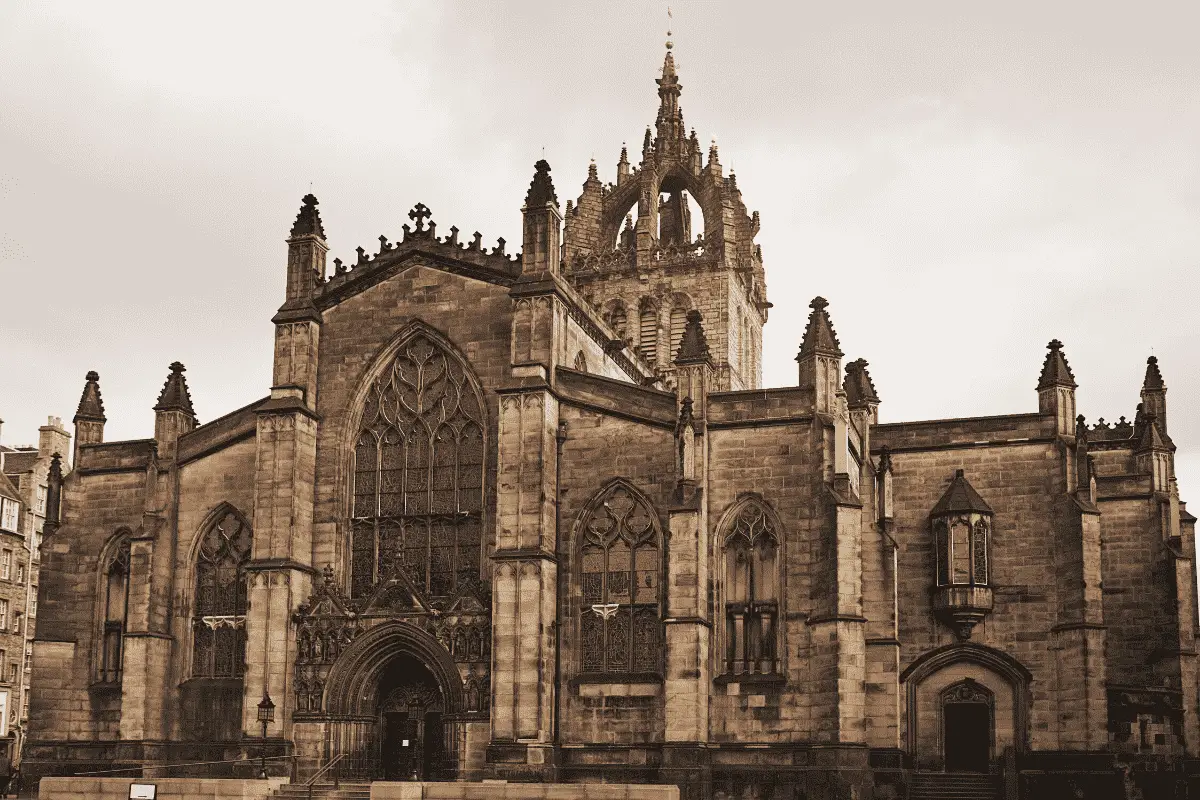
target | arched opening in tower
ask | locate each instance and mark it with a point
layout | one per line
(679, 222)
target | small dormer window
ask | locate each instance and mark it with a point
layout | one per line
(962, 524)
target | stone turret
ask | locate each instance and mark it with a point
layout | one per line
(1056, 389)
(1154, 393)
(306, 263)
(542, 223)
(89, 417)
(820, 360)
(173, 413)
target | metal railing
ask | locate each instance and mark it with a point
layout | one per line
(156, 767)
(328, 766)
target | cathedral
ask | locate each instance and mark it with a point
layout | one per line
(533, 517)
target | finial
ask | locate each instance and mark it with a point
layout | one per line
(541, 188)
(91, 407)
(175, 395)
(669, 18)
(308, 221)
(818, 303)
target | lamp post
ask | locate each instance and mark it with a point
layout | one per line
(266, 713)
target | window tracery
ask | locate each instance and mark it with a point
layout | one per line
(219, 613)
(620, 566)
(751, 591)
(418, 475)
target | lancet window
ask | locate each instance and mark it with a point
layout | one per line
(751, 591)
(219, 613)
(418, 474)
(620, 568)
(115, 600)
(648, 333)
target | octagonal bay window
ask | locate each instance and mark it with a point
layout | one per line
(962, 530)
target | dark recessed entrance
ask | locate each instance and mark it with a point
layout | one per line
(968, 733)
(411, 745)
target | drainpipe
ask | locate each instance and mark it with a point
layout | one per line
(560, 438)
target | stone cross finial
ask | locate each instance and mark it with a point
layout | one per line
(420, 212)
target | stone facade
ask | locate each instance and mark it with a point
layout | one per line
(531, 517)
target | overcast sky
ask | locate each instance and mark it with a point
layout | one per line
(962, 181)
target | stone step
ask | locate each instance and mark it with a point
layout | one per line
(954, 786)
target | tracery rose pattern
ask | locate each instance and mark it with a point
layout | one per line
(418, 474)
(620, 625)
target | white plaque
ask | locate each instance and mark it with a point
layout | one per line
(142, 791)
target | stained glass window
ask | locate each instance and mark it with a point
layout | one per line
(751, 591)
(219, 614)
(116, 610)
(418, 475)
(620, 567)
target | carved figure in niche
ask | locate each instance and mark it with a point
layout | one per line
(473, 648)
(460, 644)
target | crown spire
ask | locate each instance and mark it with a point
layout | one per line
(670, 118)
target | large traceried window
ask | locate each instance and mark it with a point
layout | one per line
(751, 591)
(219, 613)
(114, 601)
(418, 474)
(620, 566)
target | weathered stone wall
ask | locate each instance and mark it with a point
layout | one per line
(1014, 470)
(473, 315)
(599, 448)
(782, 464)
(98, 501)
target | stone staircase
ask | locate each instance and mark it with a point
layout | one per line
(955, 786)
(324, 791)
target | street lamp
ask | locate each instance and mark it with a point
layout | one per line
(266, 713)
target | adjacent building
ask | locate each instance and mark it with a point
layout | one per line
(24, 487)
(533, 517)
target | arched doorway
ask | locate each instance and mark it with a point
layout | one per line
(966, 704)
(411, 732)
(968, 726)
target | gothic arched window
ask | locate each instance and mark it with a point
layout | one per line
(752, 562)
(418, 474)
(219, 613)
(115, 604)
(620, 565)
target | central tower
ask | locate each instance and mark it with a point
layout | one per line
(645, 272)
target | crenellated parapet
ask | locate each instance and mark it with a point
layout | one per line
(471, 257)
